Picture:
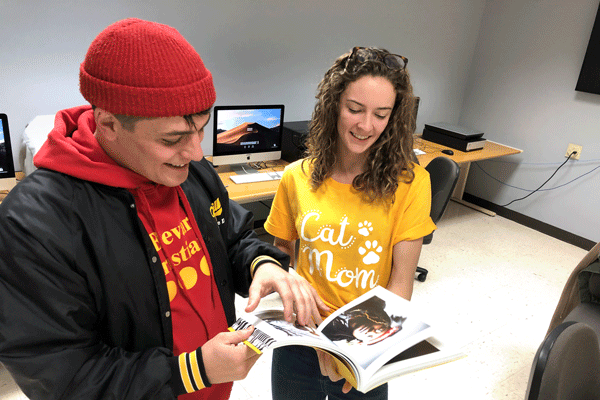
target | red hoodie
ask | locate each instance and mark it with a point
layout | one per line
(196, 309)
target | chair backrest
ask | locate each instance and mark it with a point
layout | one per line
(566, 365)
(443, 173)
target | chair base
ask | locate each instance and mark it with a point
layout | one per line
(422, 274)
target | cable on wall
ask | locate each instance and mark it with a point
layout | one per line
(540, 187)
(551, 176)
(530, 190)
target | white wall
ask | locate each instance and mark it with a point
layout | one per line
(521, 92)
(259, 51)
(506, 67)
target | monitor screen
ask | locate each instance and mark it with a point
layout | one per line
(7, 168)
(246, 134)
(589, 76)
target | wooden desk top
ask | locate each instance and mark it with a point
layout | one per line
(258, 191)
(249, 192)
(490, 150)
(3, 192)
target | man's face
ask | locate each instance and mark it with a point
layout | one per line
(161, 149)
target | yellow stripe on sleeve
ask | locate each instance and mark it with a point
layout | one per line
(185, 376)
(196, 370)
(259, 260)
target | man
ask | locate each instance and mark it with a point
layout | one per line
(121, 254)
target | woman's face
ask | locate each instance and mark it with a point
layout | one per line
(364, 112)
(367, 334)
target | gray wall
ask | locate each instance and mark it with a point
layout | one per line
(521, 91)
(258, 51)
(506, 67)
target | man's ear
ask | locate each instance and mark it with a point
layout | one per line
(106, 124)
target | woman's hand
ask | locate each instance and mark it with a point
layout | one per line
(329, 368)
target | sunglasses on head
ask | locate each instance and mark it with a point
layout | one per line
(392, 61)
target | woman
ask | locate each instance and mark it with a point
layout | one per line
(364, 324)
(357, 203)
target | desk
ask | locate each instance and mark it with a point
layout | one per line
(250, 192)
(464, 160)
(4, 189)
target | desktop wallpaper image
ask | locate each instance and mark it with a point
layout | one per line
(252, 129)
(3, 166)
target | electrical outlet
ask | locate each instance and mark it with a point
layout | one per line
(571, 148)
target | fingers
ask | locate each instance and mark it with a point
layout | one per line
(300, 297)
(347, 387)
(308, 309)
(323, 362)
(234, 338)
(327, 366)
(225, 360)
(297, 299)
(329, 369)
(320, 303)
(287, 298)
(320, 306)
(297, 295)
(253, 299)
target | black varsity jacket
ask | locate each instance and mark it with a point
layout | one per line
(84, 307)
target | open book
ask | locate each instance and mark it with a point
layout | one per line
(372, 339)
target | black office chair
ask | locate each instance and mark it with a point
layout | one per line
(566, 365)
(443, 173)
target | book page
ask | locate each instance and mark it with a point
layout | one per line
(366, 333)
(374, 328)
(429, 353)
(272, 330)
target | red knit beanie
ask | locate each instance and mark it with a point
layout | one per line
(145, 69)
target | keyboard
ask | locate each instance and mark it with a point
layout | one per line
(257, 177)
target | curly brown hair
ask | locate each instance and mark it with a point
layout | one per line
(390, 158)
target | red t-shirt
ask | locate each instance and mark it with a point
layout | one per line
(196, 309)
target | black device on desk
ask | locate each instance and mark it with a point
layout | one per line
(293, 142)
(247, 134)
(7, 167)
(457, 137)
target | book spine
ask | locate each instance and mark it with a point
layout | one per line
(455, 143)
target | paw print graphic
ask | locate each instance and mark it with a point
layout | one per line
(365, 228)
(371, 250)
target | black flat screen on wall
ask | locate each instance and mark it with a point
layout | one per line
(589, 77)
(7, 168)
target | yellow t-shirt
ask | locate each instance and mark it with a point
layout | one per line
(346, 243)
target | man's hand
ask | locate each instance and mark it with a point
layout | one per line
(296, 294)
(328, 368)
(226, 358)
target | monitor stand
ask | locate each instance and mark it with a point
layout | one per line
(240, 169)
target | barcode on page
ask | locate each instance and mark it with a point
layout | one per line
(258, 339)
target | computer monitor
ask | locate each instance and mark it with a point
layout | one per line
(7, 167)
(243, 135)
